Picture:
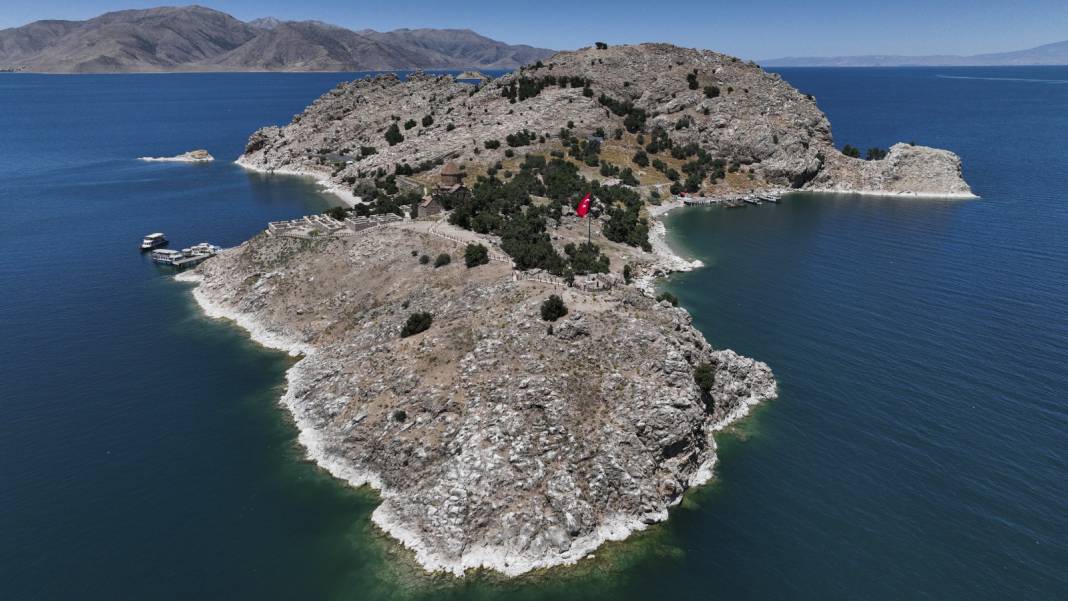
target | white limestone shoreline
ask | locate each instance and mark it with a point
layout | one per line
(895, 193)
(668, 261)
(323, 180)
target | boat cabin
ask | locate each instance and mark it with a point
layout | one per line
(153, 240)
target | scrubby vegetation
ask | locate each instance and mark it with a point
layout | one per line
(875, 154)
(669, 297)
(504, 208)
(704, 375)
(338, 213)
(393, 135)
(528, 87)
(475, 255)
(553, 308)
(585, 258)
(442, 260)
(417, 322)
(633, 117)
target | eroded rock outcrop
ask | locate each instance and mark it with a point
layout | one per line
(906, 170)
(494, 439)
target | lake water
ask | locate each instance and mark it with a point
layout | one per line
(919, 449)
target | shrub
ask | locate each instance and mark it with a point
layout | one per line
(410, 123)
(520, 138)
(417, 322)
(705, 377)
(628, 273)
(585, 258)
(393, 135)
(875, 154)
(424, 259)
(475, 255)
(492, 144)
(851, 151)
(553, 308)
(508, 152)
(442, 260)
(691, 80)
(641, 159)
(711, 91)
(669, 297)
(428, 121)
(450, 127)
(366, 151)
(601, 45)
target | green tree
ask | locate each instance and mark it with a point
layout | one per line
(669, 297)
(442, 260)
(553, 308)
(428, 121)
(338, 213)
(851, 151)
(410, 123)
(393, 135)
(641, 159)
(705, 377)
(875, 154)
(711, 91)
(475, 255)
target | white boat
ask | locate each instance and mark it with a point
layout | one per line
(153, 241)
(166, 257)
(201, 249)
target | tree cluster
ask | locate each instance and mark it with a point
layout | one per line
(633, 117)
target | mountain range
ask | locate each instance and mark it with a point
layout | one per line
(1048, 54)
(195, 38)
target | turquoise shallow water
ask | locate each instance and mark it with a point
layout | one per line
(918, 449)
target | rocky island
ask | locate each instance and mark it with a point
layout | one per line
(514, 392)
(193, 156)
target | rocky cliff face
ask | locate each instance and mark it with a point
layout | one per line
(494, 439)
(770, 134)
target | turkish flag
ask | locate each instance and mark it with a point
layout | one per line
(584, 206)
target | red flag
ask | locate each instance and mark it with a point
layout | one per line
(584, 206)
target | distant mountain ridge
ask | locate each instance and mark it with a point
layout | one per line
(1047, 54)
(195, 38)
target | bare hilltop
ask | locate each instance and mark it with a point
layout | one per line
(517, 393)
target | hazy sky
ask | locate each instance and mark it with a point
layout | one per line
(754, 29)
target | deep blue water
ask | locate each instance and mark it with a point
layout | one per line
(919, 449)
